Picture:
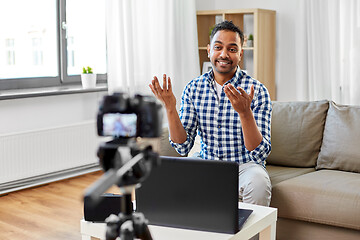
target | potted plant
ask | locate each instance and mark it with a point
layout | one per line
(210, 30)
(250, 41)
(88, 78)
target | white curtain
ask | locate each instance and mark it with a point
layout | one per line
(328, 51)
(147, 38)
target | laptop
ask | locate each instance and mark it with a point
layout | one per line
(192, 193)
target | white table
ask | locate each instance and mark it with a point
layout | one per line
(262, 220)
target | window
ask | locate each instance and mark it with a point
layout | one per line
(37, 52)
(71, 52)
(85, 39)
(9, 51)
(47, 42)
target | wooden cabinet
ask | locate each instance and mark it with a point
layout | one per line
(259, 59)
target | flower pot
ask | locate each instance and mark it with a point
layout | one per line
(88, 80)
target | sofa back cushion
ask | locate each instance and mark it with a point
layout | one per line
(341, 143)
(296, 133)
(160, 145)
(165, 148)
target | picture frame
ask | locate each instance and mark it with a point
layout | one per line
(206, 67)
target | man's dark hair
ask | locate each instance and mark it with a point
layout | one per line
(228, 26)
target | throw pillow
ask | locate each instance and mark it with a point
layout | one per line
(296, 132)
(340, 149)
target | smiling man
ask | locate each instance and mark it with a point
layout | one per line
(229, 110)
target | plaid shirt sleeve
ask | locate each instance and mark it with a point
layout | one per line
(188, 119)
(262, 109)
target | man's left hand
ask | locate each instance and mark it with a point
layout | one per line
(240, 100)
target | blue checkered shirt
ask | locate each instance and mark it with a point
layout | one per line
(218, 124)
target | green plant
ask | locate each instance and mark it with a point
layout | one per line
(87, 70)
(251, 37)
(210, 29)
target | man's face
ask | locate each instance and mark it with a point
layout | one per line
(225, 52)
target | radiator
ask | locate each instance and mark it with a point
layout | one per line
(35, 157)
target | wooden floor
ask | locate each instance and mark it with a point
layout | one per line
(51, 211)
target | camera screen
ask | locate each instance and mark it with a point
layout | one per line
(119, 124)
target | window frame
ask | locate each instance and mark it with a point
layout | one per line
(63, 78)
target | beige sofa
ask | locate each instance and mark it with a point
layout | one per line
(314, 167)
(315, 170)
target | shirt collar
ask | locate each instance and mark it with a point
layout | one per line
(238, 75)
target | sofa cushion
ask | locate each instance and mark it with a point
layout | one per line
(160, 145)
(326, 196)
(278, 173)
(300, 230)
(296, 133)
(341, 146)
(165, 148)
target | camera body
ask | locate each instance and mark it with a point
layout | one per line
(121, 116)
(124, 118)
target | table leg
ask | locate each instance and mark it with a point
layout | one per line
(268, 233)
(85, 237)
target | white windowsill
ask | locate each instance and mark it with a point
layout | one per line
(49, 91)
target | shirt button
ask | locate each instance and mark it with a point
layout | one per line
(219, 126)
(219, 144)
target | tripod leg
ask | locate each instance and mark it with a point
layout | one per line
(140, 226)
(127, 231)
(112, 227)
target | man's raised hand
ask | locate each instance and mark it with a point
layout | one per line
(164, 93)
(241, 101)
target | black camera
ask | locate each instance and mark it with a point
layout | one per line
(124, 118)
(121, 116)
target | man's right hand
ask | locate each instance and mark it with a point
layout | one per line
(164, 94)
(167, 97)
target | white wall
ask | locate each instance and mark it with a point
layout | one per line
(30, 114)
(286, 12)
(47, 136)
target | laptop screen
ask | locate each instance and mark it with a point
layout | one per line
(191, 193)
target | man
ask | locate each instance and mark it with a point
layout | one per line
(232, 124)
